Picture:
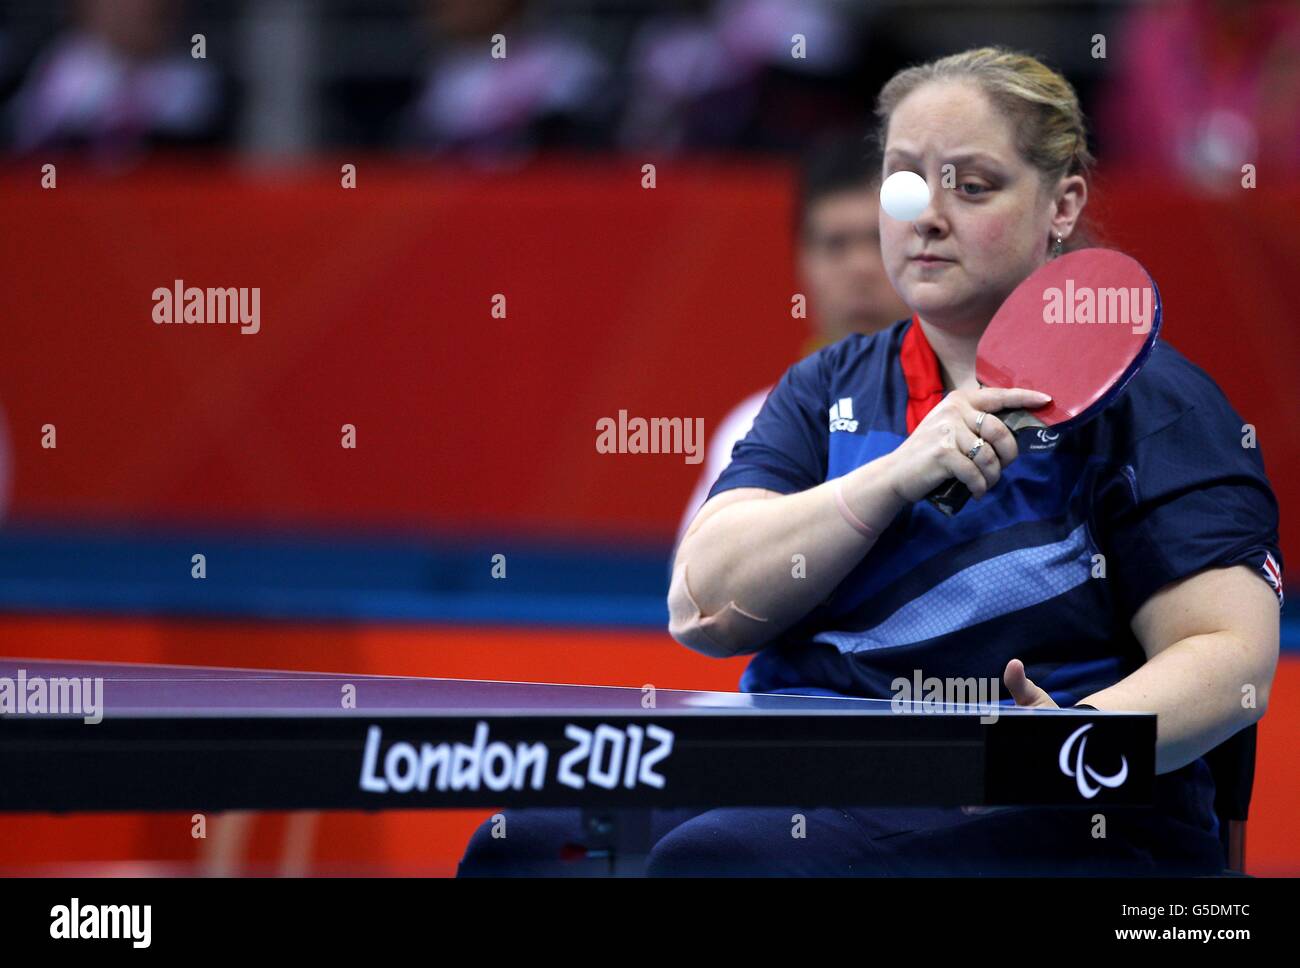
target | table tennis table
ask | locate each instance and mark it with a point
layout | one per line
(188, 737)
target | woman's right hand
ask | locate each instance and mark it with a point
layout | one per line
(937, 449)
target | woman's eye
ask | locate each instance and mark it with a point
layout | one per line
(972, 188)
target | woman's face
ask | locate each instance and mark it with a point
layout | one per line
(992, 221)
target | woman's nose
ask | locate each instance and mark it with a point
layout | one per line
(934, 217)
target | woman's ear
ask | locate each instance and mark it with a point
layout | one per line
(1068, 203)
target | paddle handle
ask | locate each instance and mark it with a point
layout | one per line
(951, 496)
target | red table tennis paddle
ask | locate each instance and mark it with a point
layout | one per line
(1078, 328)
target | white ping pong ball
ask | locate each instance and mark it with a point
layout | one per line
(904, 195)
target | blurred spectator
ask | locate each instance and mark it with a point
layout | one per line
(1203, 87)
(116, 81)
(838, 240)
(729, 76)
(551, 89)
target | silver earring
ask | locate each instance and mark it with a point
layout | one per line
(1058, 247)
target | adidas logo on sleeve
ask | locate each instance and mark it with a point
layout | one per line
(842, 416)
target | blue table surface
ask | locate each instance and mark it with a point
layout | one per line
(136, 689)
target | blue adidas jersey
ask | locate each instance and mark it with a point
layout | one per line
(1049, 567)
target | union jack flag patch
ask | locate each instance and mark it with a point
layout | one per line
(1273, 575)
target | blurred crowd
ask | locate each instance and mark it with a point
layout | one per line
(1191, 87)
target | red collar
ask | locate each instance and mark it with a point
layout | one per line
(921, 373)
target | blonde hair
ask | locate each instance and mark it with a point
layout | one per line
(1050, 131)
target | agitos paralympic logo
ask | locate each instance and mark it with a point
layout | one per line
(1072, 765)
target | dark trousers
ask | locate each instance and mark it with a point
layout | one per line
(866, 841)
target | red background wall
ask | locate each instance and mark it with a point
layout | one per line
(375, 303)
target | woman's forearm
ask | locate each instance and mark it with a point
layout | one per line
(754, 568)
(1195, 687)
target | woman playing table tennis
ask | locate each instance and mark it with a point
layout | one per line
(1125, 563)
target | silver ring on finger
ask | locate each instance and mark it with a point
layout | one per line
(975, 450)
(979, 422)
